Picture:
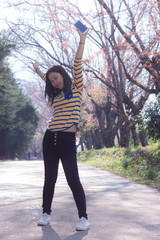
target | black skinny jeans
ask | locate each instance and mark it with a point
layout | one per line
(61, 145)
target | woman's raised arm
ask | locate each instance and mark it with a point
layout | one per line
(37, 69)
(80, 49)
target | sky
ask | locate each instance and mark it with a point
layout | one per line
(10, 14)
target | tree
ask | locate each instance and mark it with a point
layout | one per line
(18, 117)
(151, 119)
(138, 46)
(123, 59)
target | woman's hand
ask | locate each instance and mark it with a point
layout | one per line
(37, 69)
(82, 36)
(35, 65)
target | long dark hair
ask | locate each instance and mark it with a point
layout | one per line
(51, 91)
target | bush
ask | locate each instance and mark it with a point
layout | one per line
(151, 119)
(126, 161)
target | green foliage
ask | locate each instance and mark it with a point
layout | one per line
(140, 164)
(18, 118)
(126, 161)
(152, 120)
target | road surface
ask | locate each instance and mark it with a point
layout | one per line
(118, 209)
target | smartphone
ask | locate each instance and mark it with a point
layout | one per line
(81, 26)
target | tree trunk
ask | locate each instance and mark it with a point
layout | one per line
(142, 136)
(97, 139)
(158, 3)
(124, 134)
(81, 143)
(88, 140)
(110, 132)
(134, 135)
(108, 137)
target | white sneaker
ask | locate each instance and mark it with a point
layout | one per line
(83, 224)
(44, 220)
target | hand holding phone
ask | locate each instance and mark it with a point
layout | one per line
(82, 28)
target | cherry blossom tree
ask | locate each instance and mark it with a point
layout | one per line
(121, 62)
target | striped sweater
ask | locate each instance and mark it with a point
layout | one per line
(67, 111)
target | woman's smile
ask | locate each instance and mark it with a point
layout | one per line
(56, 80)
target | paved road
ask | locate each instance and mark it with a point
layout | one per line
(118, 209)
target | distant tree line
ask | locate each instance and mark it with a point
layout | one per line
(18, 117)
(121, 66)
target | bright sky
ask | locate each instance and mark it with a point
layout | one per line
(11, 13)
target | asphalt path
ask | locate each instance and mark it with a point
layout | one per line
(118, 209)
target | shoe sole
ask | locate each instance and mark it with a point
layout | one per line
(80, 229)
(41, 224)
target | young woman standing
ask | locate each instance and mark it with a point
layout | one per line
(59, 140)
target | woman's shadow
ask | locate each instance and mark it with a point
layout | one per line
(50, 234)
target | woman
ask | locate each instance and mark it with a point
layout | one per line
(59, 140)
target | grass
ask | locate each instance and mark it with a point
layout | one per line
(138, 164)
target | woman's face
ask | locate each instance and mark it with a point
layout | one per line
(56, 80)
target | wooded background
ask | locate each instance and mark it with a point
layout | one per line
(121, 63)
